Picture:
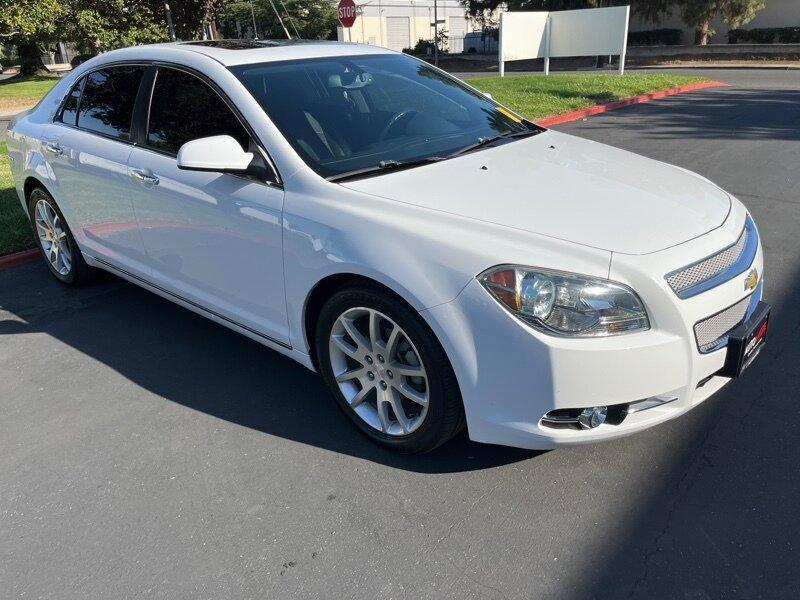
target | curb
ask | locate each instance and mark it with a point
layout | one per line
(18, 258)
(641, 99)
(716, 66)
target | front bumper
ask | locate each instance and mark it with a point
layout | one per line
(511, 375)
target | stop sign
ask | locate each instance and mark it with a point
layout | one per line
(347, 13)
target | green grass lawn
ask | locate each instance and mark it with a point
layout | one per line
(19, 93)
(538, 96)
(15, 230)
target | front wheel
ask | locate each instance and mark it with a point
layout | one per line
(388, 371)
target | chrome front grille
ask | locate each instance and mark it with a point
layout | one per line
(718, 268)
(712, 333)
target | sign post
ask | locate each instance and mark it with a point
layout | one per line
(624, 41)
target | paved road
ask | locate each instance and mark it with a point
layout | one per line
(148, 453)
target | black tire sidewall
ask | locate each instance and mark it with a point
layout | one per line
(433, 430)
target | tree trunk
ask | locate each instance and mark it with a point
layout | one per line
(30, 59)
(701, 34)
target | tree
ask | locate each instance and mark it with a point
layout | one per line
(307, 19)
(699, 13)
(30, 24)
(481, 9)
(96, 25)
(652, 10)
(695, 13)
(101, 25)
(188, 16)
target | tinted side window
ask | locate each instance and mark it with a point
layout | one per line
(184, 108)
(107, 101)
(69, 114)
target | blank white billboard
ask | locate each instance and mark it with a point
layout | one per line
(522, 35)
(588, 32)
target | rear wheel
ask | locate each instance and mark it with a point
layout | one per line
(56, 243)
(388, 371)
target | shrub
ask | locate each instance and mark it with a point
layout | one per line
(421, 47)
(655, 37)
(768, 35)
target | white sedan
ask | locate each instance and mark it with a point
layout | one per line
(441, 261)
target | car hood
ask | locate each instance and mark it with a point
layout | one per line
(568, 188)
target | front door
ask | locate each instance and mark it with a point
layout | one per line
(213, 239)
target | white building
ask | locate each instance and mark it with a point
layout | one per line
(399, 24)
(776, 13)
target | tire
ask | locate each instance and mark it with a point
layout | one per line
(48, 221)
(415, 366)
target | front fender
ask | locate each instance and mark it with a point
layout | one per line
(425, 256)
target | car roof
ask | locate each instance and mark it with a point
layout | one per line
(240, 52)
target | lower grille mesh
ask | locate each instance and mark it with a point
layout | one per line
(712, 333)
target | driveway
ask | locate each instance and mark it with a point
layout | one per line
(148, 453)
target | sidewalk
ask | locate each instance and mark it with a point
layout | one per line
(4, 121)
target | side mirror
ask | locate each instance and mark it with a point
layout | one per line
(220, 153)
(488, 95)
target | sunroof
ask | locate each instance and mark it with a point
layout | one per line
(235, 44)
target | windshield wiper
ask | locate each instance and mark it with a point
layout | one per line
(485, 141)
(385, 165)
(390, 164)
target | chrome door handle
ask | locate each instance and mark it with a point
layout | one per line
(140, 176)
(53, 148)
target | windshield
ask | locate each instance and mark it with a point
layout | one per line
(356, 114)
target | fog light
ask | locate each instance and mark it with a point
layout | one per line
(593, 416)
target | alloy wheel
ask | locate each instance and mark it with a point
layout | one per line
(52, 237)
(379, 371)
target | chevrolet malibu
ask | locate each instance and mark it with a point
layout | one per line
(441, 261)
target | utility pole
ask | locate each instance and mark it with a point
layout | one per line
(291, 21)
(435, 33)
(169, 23)
(277, 14)
(253, 14)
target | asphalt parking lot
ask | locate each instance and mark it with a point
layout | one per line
(148, 453)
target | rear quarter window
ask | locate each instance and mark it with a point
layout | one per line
(69, 111)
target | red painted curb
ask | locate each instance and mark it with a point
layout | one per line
(18, 258)
(641, 99)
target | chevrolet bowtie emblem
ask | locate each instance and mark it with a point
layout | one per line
(751, 280)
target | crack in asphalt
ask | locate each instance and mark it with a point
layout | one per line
(688, 477)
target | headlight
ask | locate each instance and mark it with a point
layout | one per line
(566, 304)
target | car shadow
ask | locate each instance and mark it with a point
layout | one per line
(720, 512)
(724, 114)
(189, 360)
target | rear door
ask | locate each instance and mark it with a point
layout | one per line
(212, 239)
(87, 148)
